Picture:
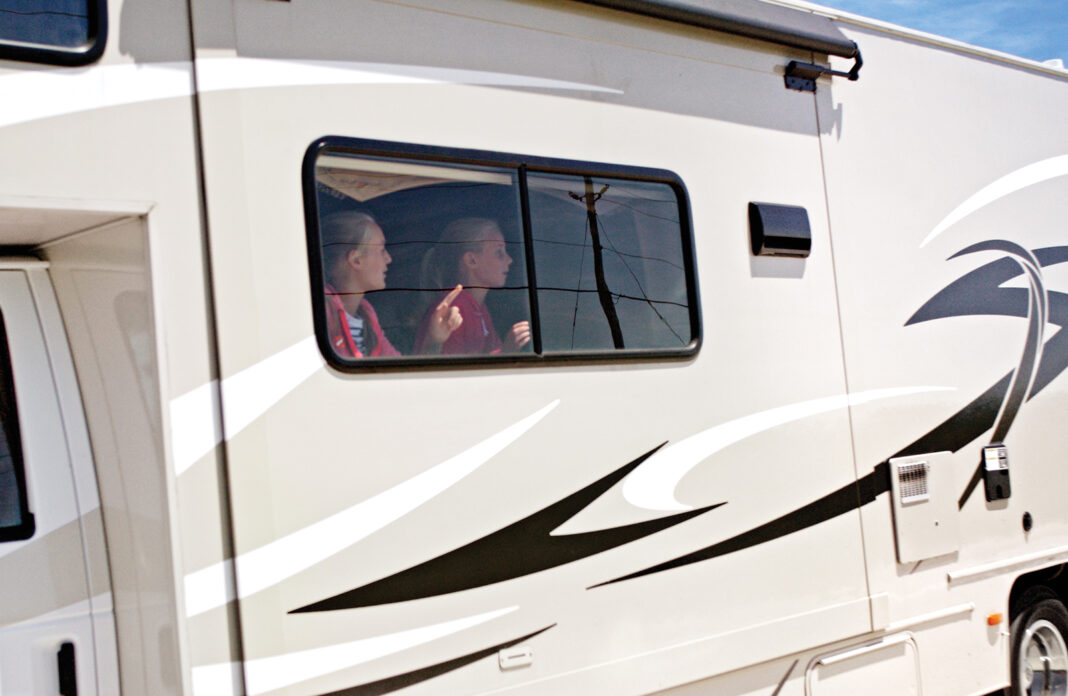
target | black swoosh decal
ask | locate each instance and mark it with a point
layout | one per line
(385, 686)
(847, 498)
(963, 426)
(980, 293)
(1037, 312)
(521, 548)
(976, 293)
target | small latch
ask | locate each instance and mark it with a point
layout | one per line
(516, 657)
(802, 76)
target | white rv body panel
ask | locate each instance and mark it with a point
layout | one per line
(964, 181)
(248, 513)
(100, 179)
(567, 449)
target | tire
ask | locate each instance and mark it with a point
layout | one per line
(1039, 664)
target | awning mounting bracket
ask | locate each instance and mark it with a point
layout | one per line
(802, 76)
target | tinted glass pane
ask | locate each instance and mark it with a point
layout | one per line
(10, 512)
(14, 517)
(9, 490)
(396, 238)
(61, 23)
(609, 260)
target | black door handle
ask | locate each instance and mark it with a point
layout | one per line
(68, 678)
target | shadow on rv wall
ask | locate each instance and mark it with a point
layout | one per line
(829, 113)
(154, 31)
(676, 69)
(928, 564)
(776, 267)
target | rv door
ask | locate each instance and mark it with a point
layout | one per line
(56, 622)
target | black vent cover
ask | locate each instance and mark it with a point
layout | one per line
(779, 230)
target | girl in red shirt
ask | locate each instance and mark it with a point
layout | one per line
(355, 261)
(471, 255)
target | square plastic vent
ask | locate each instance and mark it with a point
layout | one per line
(912, 482)
(924, 496)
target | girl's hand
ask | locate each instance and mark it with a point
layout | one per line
(517, 337)
(443, 322)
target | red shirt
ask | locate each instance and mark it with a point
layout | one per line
(476, 336)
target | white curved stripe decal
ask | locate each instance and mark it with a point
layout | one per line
(31, 95)
(652, 485)
(209, 588)
(222, 679)
(1010, 183)
(270, 673)
(284, 557)
(195, 426)
(217, 74)
(246, 395)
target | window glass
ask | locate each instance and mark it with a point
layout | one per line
(395, 239)
(59, 23)
(414, 258)
(15, 519)
(609, 264)
(9, 491)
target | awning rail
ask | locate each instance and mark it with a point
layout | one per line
(754, 20)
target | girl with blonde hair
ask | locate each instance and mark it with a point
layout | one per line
(355, 261)
(471, 255)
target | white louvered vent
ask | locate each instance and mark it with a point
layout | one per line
(924, 494)
(912, 482)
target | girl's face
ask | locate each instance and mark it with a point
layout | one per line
(488, 268)
(369, 262)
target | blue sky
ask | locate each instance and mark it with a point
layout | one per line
(1036, 29)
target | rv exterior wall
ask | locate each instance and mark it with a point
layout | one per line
(888, 213)
(100, 176)
(712, 517)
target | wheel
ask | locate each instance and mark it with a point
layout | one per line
(1039, 647)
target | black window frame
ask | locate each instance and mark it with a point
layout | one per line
(77, 56)
(521, 164)
(9, 405)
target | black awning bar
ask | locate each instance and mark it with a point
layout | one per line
(754, 20)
